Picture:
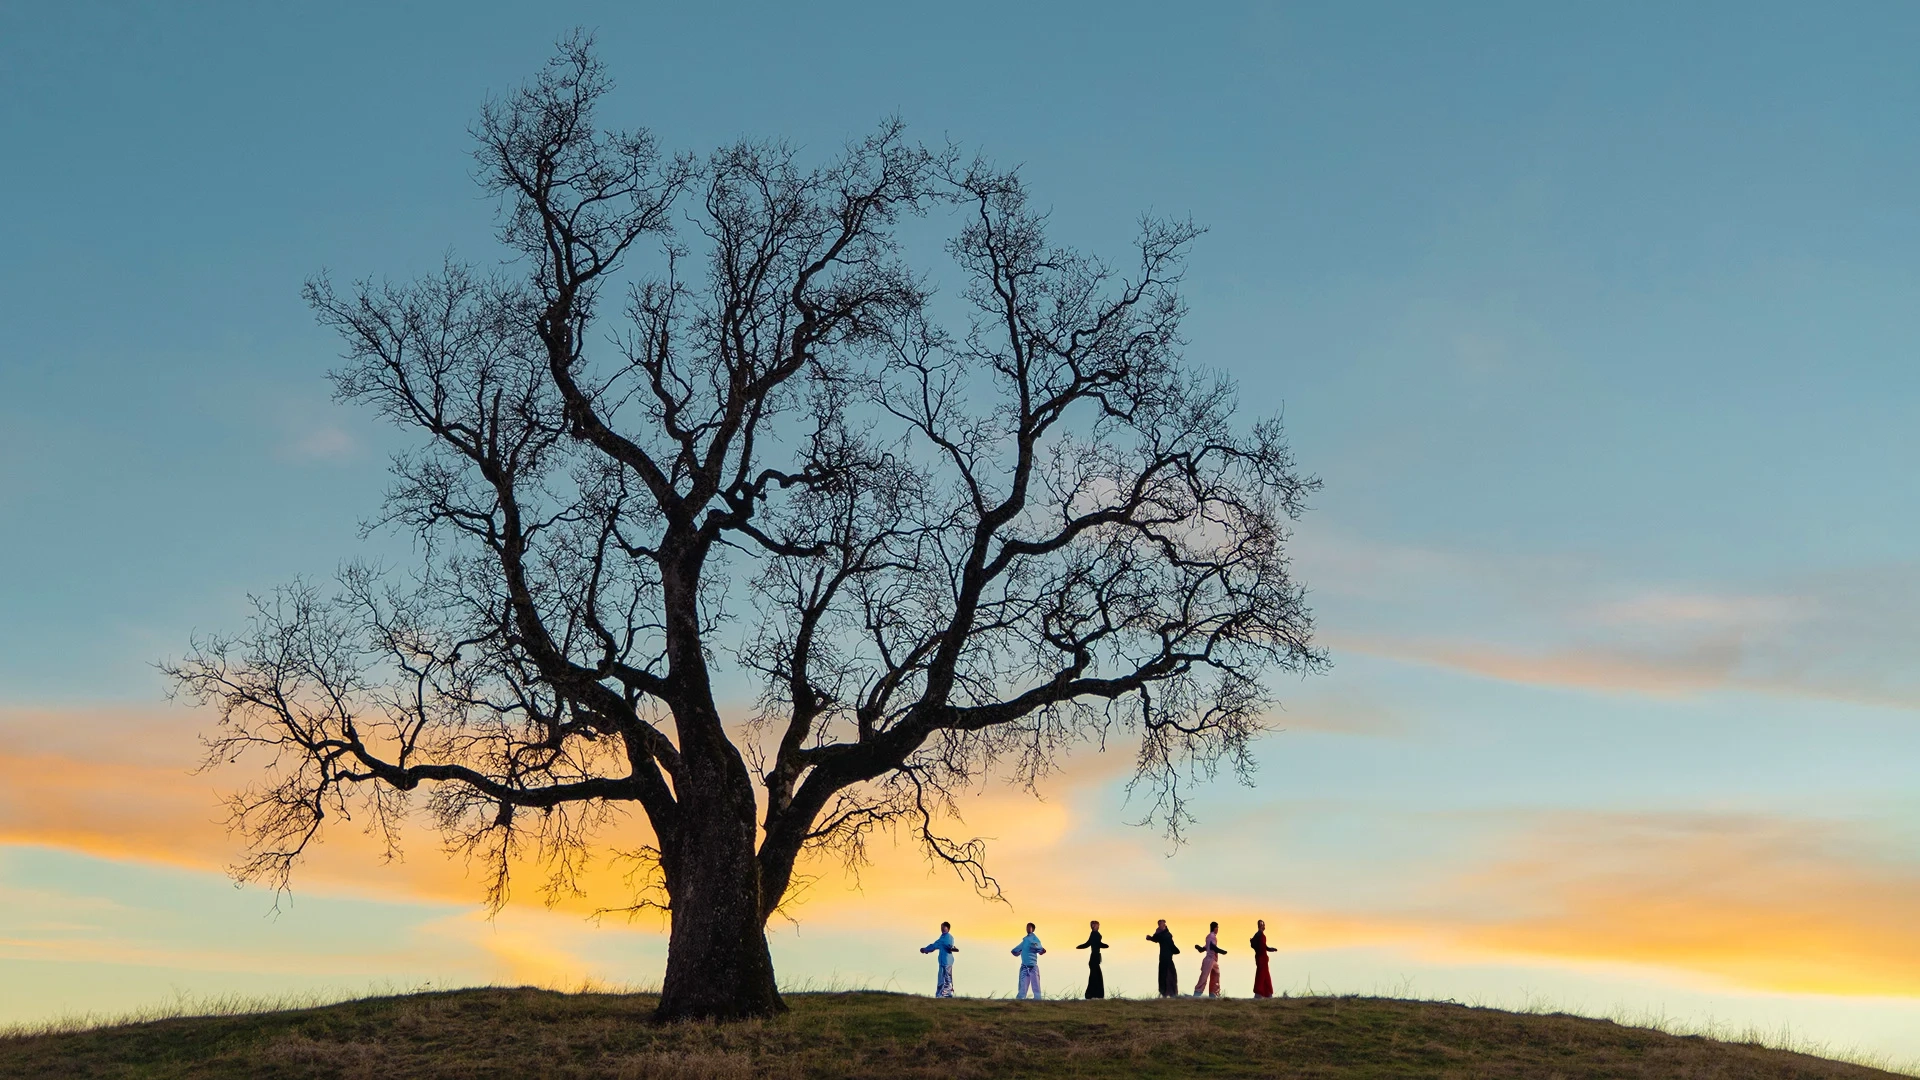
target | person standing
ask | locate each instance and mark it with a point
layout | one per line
(1262, 978)
(1029, 951)
(1169, 978)
(944, 946)
(1210, 963)
(1096, 986)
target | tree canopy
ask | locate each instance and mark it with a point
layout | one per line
(717, 423)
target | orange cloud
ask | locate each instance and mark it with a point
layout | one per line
(121, 783)
(1720, 661)
(1845, 636)
(108, 782)
(1761, 902)
(1703, 666)
(1758, 902)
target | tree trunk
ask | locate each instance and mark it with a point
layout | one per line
(718, 966)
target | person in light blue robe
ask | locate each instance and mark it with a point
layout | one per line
(1029, 951)
(944, 947)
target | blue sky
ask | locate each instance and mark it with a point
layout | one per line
(1598, 324)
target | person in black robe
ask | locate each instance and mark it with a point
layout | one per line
(1096, 986)
(1169, 978)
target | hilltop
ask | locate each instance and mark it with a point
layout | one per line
(553, 1036)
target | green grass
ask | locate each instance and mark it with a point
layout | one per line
(542, 1034)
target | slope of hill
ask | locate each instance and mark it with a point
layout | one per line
(540, 1034)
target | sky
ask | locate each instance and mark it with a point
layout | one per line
(1599, 324)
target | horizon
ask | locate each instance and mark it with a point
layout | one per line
(1597, 327)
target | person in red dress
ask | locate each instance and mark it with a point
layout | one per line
(1262, 979)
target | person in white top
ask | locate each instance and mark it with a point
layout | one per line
(944, 946)
(1029, 951)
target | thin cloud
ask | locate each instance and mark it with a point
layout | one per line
(1753, 901)
(1708, 665)
(122, 784)
(1715, 663)
(1655, 608)
(1762, 902)
(1340, 712)
(1842, 636)
(322, 444)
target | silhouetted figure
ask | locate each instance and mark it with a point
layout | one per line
(1262, 979)
(1210, 963)
(1096, 986)
(1169, 978)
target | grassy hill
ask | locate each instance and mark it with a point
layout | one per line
(540, 1034)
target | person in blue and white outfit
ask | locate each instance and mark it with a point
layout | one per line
(944, 946)
(1029, 951)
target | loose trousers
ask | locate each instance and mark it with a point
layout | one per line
(943, 985)
(1209, 976)
(1029, 980)
(1169, 978)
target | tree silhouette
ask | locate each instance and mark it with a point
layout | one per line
(962, 549)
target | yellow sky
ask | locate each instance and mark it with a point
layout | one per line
(1756, 903)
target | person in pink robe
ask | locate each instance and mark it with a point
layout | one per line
(1210, 963)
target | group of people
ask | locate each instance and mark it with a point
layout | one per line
(1030, 951)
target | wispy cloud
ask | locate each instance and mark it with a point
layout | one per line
(1842, 636)
(123, 784)
(1772, 903)
(1706, 665)
(1764, 902)
(321, 444)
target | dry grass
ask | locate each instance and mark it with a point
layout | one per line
(541, 1034)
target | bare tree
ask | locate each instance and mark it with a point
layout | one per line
(963, 550)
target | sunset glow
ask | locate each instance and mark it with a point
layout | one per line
(1598, 328)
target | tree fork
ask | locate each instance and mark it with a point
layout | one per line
(965, 547)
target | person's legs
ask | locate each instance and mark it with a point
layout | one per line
(1206, 965)
(1029, 980)
(1213, 977)
(943, 986)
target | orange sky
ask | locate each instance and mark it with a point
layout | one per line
(1756, 902)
